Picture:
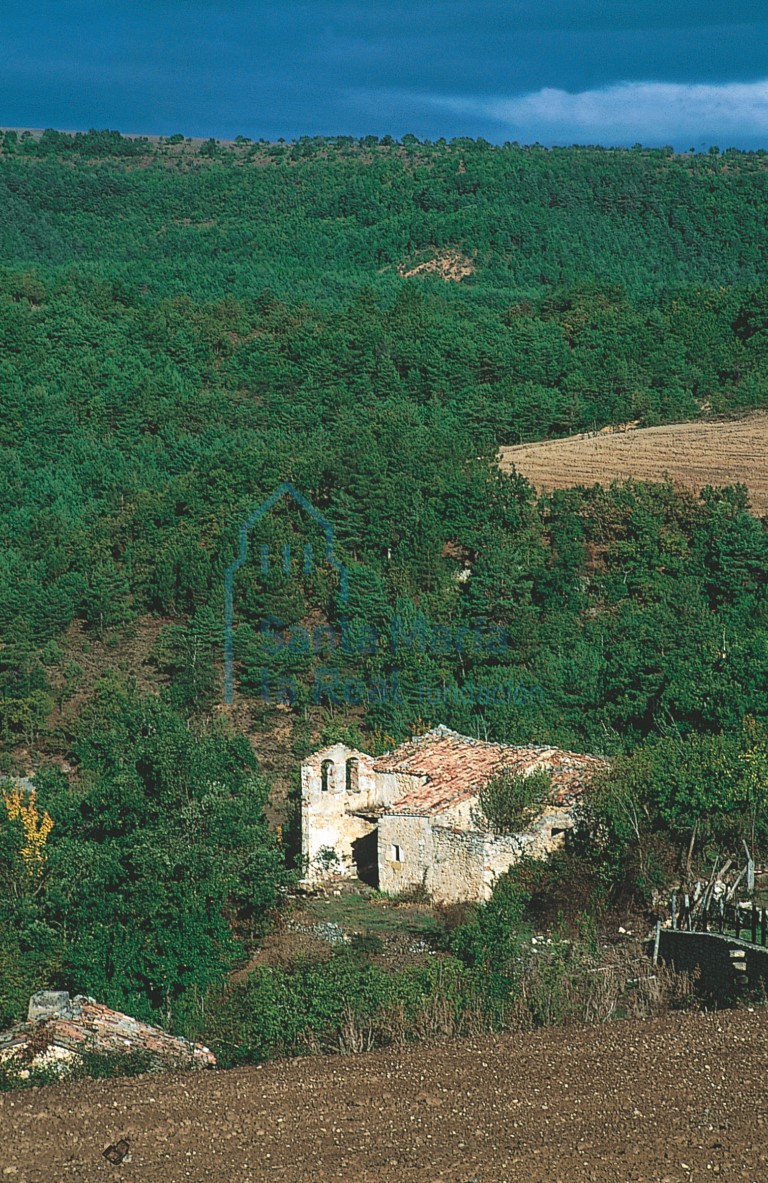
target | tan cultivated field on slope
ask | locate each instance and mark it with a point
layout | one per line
(690, 454)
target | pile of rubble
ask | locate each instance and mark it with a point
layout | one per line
(59, 1029)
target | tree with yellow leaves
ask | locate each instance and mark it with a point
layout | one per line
(21, 805)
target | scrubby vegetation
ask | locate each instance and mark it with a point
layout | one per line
(489, 973)
(181, 332)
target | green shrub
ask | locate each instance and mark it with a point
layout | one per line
(510, 802)
(344, 1004)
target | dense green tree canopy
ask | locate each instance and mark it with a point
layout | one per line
(182, 331)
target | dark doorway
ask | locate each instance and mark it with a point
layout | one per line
(365, 852)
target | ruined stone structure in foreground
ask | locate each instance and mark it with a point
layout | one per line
(60, 1029)
(408, 819)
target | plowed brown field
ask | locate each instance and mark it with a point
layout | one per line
(677, 1099)
(691, 454)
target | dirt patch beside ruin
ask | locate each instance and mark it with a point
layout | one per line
(450, 265)
(679, 1098)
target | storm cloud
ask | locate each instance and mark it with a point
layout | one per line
(546, 70)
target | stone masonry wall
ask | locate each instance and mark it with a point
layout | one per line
(457, 868)
(452, 861)
(405, 852)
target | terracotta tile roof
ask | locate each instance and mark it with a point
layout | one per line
(86, 1025)
(456, 767)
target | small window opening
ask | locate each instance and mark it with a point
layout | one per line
(353, 775)
(397, 853)
(326, 774)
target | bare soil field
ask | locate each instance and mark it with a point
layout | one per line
(690, 454)
(677, 1099)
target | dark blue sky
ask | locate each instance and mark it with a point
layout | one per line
(690, 72)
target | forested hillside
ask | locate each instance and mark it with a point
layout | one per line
(313, 218)
(183, 330)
